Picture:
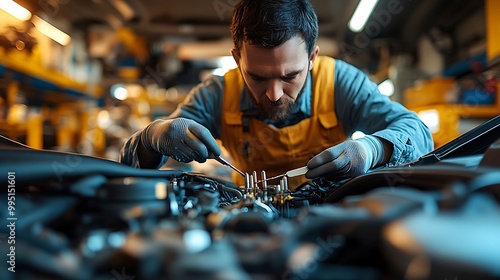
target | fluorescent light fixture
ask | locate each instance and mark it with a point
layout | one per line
(361, 14)
(50, 31)
(386, 88)
(124, 9)
(15, 9)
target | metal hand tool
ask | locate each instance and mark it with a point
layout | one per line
(291, 173)
(225, 162)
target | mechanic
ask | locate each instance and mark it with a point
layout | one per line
(283, 107)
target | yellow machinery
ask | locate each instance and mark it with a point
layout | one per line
(435, 103)
(436, 100)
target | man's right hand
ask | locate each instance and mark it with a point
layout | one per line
(182, 139)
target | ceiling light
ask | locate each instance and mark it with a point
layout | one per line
(15, 9)
(50, 31)
(361, 14)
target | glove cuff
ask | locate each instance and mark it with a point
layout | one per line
(374, 149)
(147, 136)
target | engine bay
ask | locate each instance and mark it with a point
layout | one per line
(72, 216)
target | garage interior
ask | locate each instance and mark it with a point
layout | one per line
(123, 63)
(81, 76)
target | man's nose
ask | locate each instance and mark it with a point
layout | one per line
(274, 92)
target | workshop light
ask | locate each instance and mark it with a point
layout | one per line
(50, 31)
(17, 113)
(225, 64)
(430, 118)
(134, 90)
(103, 119)
(119, 92)
(219, 71)
(361, 14)
(125, 10)
(15, 9)
(386, 88)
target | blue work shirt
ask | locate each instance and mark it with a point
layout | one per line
(358, 104)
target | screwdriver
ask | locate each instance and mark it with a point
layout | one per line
(225, 162)
(291, 173)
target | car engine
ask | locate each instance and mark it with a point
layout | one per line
(70, 216)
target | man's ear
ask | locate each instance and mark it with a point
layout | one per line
(313, 56)
(236, 56)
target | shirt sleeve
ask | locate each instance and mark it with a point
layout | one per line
(361, 107)
(203, 104)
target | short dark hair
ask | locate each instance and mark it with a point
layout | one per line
(270, 23)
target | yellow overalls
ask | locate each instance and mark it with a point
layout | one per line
(254, 145)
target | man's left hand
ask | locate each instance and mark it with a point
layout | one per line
(345, 160)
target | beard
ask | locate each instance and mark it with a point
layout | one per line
(276, 111)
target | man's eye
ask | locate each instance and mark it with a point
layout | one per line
(289, 78)
(257, 78)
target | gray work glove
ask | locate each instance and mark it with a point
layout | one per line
(348, 159)
(182, 139)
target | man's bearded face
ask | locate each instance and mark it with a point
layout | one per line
(275, 77)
